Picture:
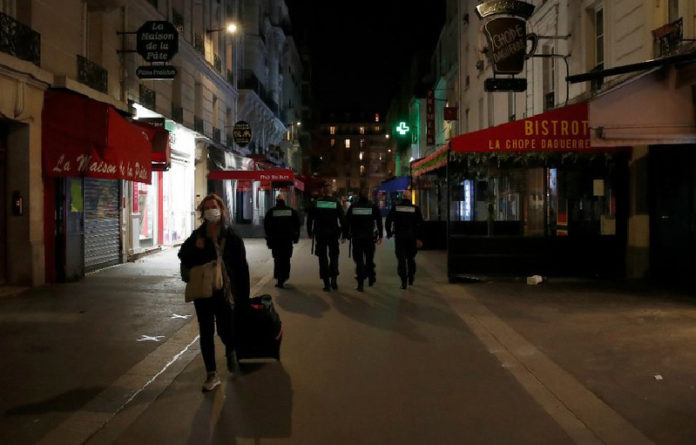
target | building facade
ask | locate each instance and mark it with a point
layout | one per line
(630, 65)
(61, 218)
(353, 155)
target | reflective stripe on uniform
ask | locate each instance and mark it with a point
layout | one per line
(326, 204)
(362, 211)
(277, 213)
(406, 209)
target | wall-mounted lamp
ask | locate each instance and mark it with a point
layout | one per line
(230, 28)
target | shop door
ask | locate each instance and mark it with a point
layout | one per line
(673, 212)
(69, 229)
(102, 223)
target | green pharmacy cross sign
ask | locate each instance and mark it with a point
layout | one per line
(403, 128)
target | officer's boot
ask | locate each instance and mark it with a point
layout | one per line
(403, 283)
(360, 285)
(334, 284)
(327, 285)
(371, 280)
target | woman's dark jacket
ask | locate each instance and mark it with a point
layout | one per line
(234, 257)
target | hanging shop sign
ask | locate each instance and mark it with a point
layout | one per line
(505, 30)
(276, 175)
(157, 41)
(451, 113)
(430, 118)
(241, 133)
(156, 72)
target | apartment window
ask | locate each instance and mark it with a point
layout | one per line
(466, 120)
(362, 130)
(362, 170)
(347, 143)
(599, 37)
(332, 129)
(491, 114)
(548, 78)
(362, 143)
(480, 113)
(8, 7)
(673, 10)
(376, 117)
(332, 142)
(216, 114)
(511, 107)
(361, 155)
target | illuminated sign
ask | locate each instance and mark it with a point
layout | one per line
(403, 128)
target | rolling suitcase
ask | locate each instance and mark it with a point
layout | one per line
(260, 330)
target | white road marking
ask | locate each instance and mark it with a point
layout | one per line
(108, 414)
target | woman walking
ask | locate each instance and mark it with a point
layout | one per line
(212, 240)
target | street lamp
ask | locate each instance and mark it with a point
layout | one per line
(231, 28)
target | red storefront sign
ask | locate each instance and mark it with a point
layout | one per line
(85, 137)
(563, 129)
(278, 175)
(430, 118)
(451, 113)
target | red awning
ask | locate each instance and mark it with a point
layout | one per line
(299, 184)
(161, 150)
(563, 129)
(85, 137)
(278, 175)
(429, 163)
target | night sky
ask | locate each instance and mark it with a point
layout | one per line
(360, 48)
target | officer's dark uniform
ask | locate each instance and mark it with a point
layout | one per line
(361, 218)
(325, 222)
(282, 225)
(406, 220)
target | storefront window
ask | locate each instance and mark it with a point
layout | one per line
(574, 198)
(144, 213)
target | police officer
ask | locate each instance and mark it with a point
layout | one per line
(282, 226)
(325, 222)
(406, 220)
(361, 218)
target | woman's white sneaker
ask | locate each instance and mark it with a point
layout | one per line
(211, 382)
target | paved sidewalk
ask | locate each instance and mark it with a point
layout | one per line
(64, 345)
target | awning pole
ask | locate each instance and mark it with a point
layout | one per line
(447, 231)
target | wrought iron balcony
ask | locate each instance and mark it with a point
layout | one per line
(19, 40)
(217, 135)
(249, 81)
(668, 38)
(92, 75)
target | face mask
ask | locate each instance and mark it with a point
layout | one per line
(212, 215)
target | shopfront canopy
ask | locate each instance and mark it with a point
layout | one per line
(161, 149)
(560, 130)
(277, 175)
(85, 137)
(429, 163)
(394, 185)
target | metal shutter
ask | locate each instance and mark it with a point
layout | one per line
(102, 223)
